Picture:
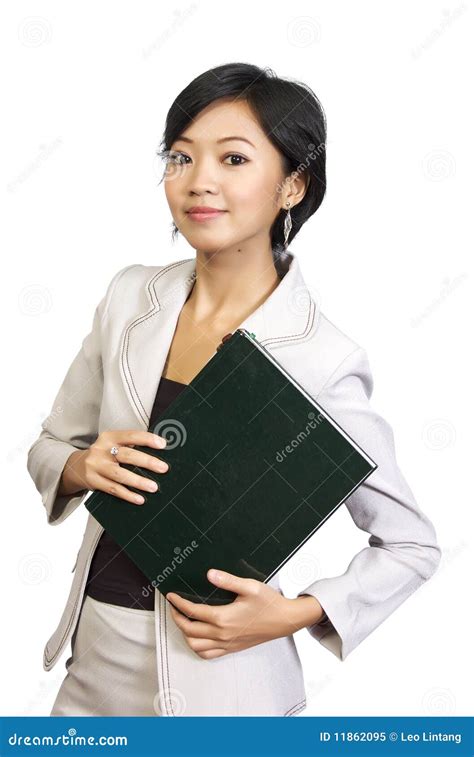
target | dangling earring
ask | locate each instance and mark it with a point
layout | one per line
(287, 225)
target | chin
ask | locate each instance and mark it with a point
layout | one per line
(206, 243)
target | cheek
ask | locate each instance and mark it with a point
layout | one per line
(254, 194)
(170, 193)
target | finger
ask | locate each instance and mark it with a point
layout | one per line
(224, 580)
(133, 457)
(194, 627)
(112, 487)
(140, 438)
(213, 653)
(196, 610)
(125, 477)
(204, 645)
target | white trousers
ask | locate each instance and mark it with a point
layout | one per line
(112, 670)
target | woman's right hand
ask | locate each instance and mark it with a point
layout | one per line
(97, 468)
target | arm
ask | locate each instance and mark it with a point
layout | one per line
(403, 550)
(72, 424)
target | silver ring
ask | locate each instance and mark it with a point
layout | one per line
(114, 450)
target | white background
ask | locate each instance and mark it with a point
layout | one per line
(85, 96)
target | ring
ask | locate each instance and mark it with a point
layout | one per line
(114, 450)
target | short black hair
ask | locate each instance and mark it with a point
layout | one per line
(289, 113)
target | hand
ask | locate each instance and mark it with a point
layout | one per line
(97, 468)
(259, 613)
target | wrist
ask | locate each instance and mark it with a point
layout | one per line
(306, 611)
(72, 478)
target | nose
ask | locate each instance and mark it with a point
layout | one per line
(203, 177)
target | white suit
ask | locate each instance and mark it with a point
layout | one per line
(112, 383)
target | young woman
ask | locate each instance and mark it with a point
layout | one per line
(245, 169)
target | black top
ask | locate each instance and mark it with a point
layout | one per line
(113, 576)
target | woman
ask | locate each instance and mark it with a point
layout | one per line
(245, 169)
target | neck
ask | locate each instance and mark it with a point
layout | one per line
(230, 285)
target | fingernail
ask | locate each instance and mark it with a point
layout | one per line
(138, 499)
(160, 441)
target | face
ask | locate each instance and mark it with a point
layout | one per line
(224, 161)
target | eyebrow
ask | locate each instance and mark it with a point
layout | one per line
(224, 139)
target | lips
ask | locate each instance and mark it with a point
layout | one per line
(204, 214)
(204, 211)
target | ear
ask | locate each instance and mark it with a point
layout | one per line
(296, 186)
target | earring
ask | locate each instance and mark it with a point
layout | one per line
(287, 225)
(174, 231)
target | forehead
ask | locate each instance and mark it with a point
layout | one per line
(224, 118)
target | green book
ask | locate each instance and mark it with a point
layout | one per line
(256, 467)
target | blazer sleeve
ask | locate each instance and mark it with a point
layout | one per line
(73, 421)
(403, 551)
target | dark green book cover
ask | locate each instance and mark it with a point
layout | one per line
(256, 467)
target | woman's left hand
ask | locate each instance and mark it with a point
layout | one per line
(259, 613)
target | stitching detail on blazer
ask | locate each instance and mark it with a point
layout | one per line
(156, 309)
(167, 666)
(49, 660)
(111, 293)
(164, 657)
(301, 335)
(167, 691)
(296, 708)
(141, 319)
(161, 625)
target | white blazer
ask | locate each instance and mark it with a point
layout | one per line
(112, 383)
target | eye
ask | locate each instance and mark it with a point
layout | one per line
(177, 158)
(239, 157)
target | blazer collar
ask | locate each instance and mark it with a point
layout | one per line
(288, 316)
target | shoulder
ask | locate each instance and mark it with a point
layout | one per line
(134, 274)
(337, 342)
(138, 276)
(335, 355)
(136, 287)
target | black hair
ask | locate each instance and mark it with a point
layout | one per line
(289, 113)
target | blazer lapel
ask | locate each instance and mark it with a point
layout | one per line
(287, 316)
